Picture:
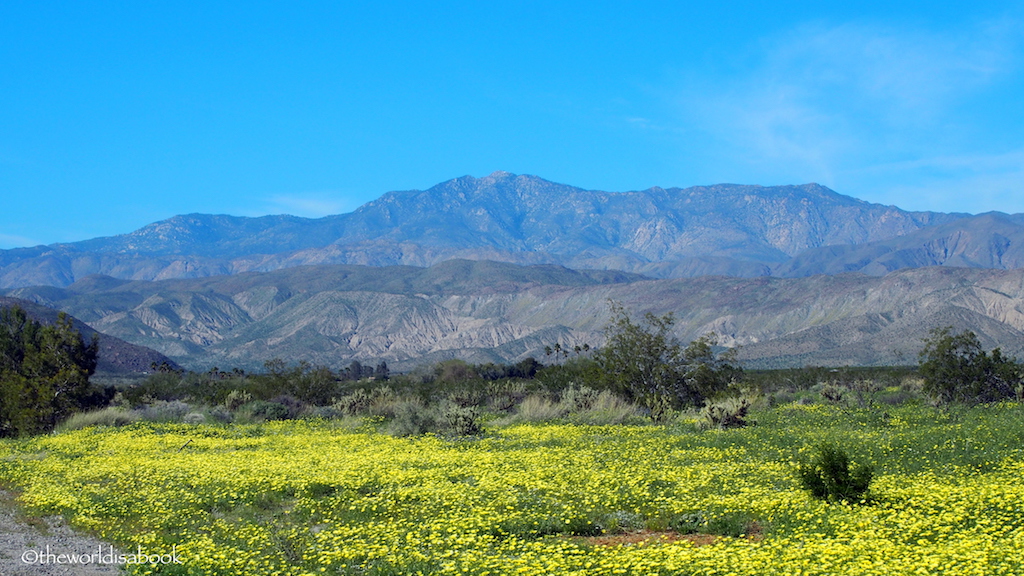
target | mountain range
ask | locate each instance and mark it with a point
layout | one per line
(486, 311)
(496, 268)
(733, 230)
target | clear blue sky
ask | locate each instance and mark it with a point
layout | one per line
(117, 114)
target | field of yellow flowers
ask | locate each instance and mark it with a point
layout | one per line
(317, 497)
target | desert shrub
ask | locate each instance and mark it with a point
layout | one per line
(463, 420)
(263, 410)
(864, 391)
(294, 406)
(194, 418)
(236, 399)
(324, 412)
(728, 413)
(356, 402)
(165, 411)
(574, 372)
(504, 395)
(579, 398)
(730, 524)
(412, 418)
(829, 476)
(620, 521)
(833, 393)
(220, 414)
(607, 409)
(539, 408)
(44, 373)
(647, 364)
(106, 417)
(454, 371)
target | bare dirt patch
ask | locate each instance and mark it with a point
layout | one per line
(26, 538)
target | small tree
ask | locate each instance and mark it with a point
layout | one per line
(44, 372)
(955, 368)
(646, 363)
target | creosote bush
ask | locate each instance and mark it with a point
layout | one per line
(828, 476)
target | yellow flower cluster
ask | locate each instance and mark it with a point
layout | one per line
(309, 497)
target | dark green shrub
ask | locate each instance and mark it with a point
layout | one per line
(294, 406)
(828, 476)
(263, 410)
(955, 368)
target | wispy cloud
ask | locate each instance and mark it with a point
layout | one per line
(306, 204)
(8, 241)
(826, 103)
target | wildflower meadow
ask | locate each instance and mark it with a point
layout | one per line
(333, 497)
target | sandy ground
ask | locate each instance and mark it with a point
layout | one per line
(22, 539)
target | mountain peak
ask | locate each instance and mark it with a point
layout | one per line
(721, 228)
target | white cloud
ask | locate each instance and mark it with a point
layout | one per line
(306, 204)
(824, 102)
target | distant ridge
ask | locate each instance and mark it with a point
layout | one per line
(725, 229)
(498, 312)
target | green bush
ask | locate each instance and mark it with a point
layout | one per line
(828, 476)
(412, 418)
(463, 420)
(644, 362)
(955, 368)
(263, 410)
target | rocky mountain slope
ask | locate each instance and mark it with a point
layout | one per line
(486, 311)
(727, 229)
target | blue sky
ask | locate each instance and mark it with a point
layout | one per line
(115, 115)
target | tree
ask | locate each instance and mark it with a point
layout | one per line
(647, 364)
(955, 368)
(44, 372)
